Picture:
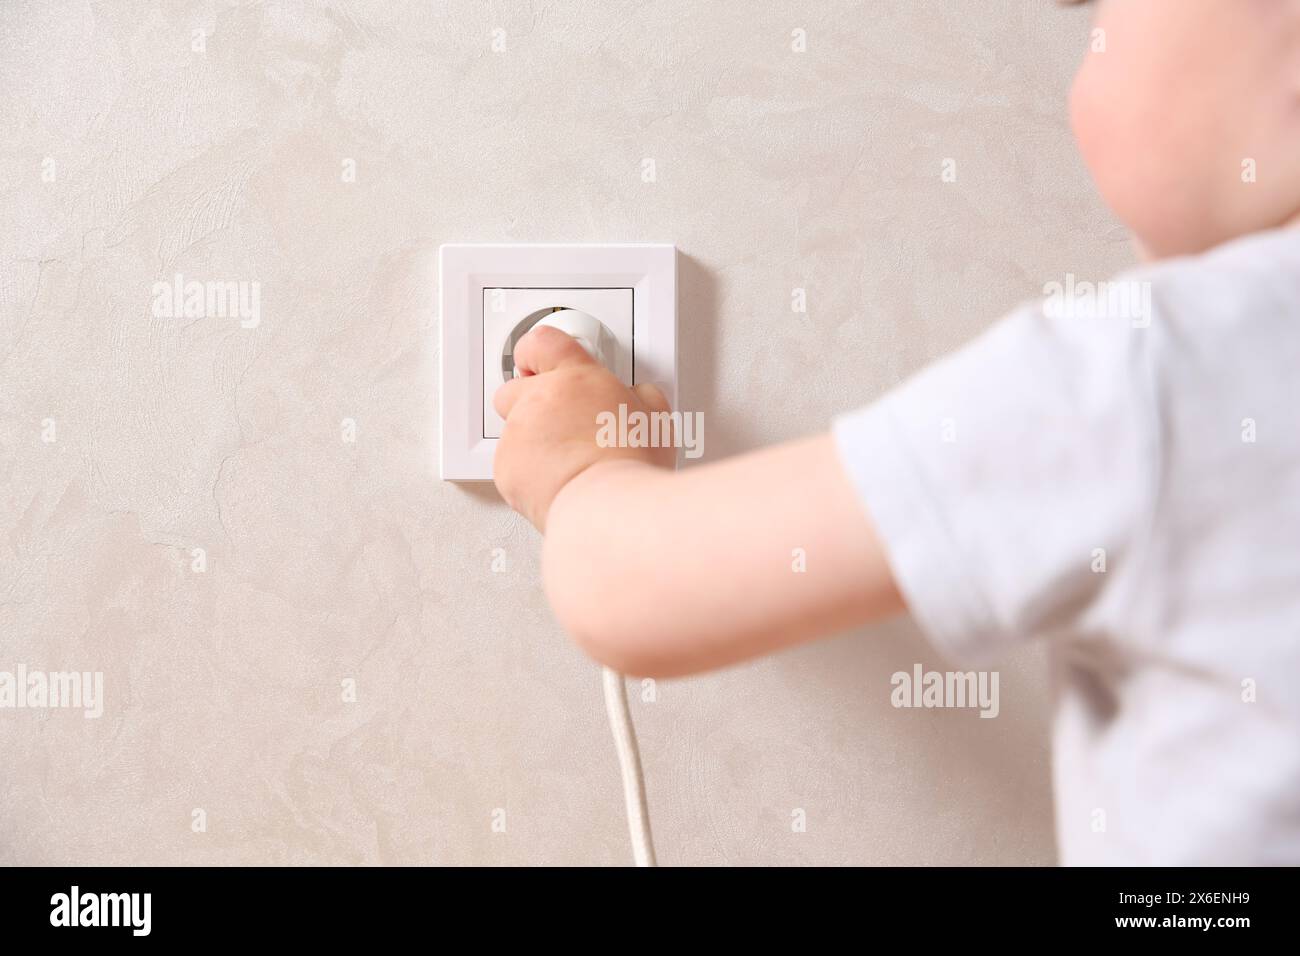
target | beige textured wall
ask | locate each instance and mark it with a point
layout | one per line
(126, 157)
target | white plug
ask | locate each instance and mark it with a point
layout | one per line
(591, 333)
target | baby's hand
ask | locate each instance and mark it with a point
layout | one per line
(551, 424)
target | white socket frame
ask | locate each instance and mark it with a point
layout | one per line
(466, 269)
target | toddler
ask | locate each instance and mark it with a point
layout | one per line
(1115, 471)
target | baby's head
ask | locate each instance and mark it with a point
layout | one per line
(1188, 115)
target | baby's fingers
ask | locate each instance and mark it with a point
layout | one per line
(507, 395)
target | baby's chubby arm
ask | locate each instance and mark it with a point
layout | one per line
(662, 573)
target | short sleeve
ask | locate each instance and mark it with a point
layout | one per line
(1010, 481)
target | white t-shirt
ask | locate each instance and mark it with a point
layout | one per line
(1120, 475)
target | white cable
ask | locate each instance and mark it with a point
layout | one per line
(629, 762)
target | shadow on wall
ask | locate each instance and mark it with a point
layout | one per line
(698, 361)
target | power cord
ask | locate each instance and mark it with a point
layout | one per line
(629, 762)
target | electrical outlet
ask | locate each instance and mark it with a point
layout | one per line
(491, 293)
